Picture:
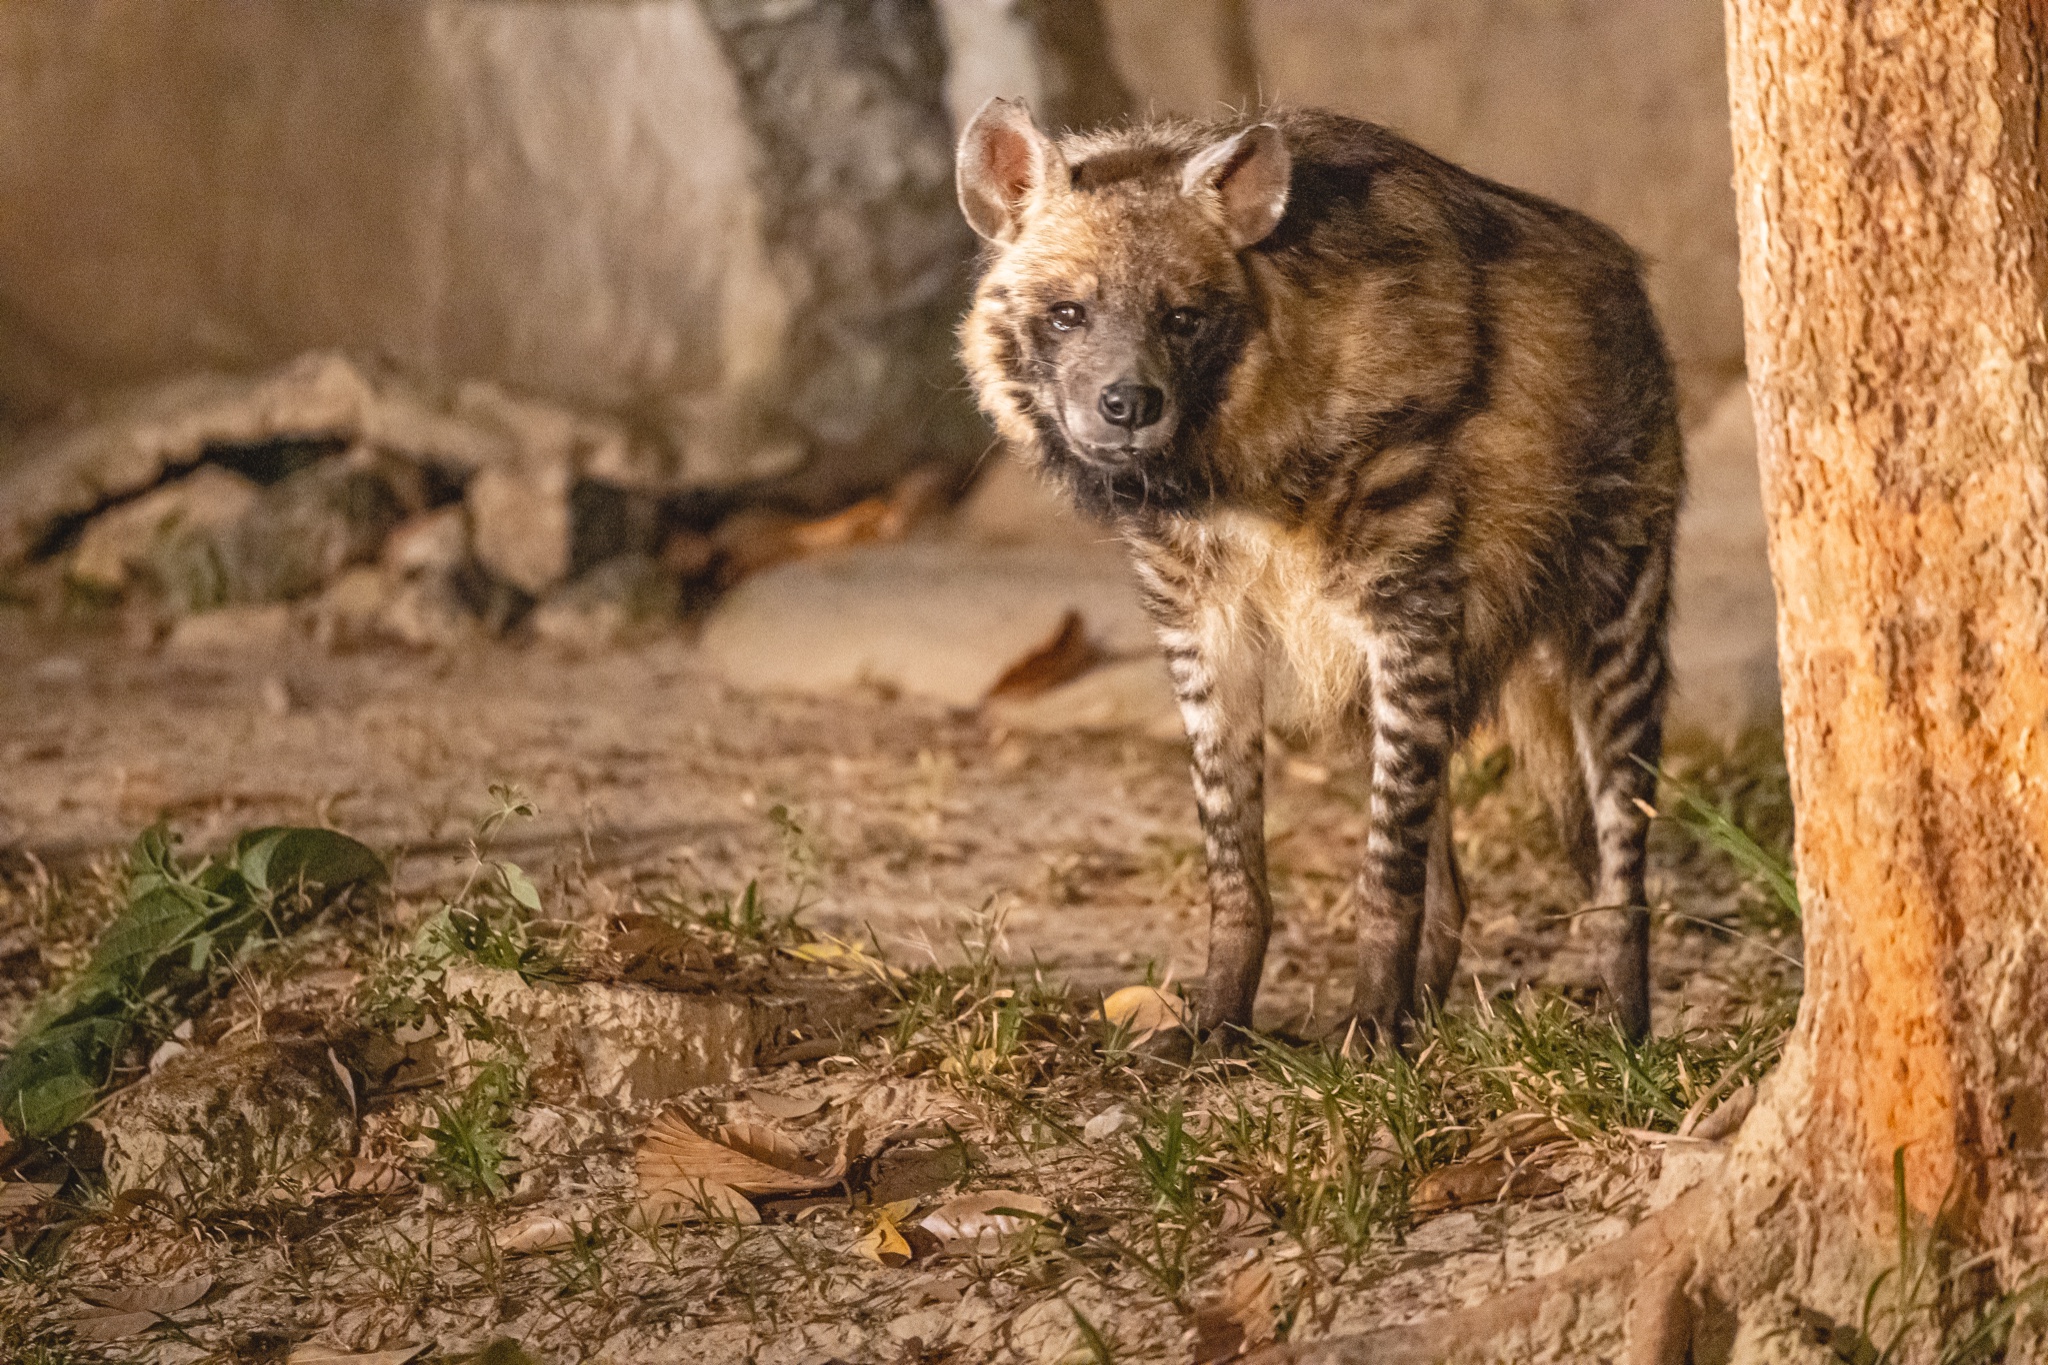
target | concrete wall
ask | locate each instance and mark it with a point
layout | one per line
(616, 205)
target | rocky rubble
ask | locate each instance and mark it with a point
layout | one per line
(329, 500)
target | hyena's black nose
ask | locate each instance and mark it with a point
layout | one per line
(1131, 405)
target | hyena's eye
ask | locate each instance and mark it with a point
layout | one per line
(1065, 317)
(1183, 322)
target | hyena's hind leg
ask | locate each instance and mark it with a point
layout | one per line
(1617, 691)
(1443, 913)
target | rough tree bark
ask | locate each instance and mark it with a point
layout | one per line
(1889, 160)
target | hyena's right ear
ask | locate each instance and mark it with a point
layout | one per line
(1003, 161)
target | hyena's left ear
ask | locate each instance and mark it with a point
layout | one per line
(1245, 176)
(1002, 163)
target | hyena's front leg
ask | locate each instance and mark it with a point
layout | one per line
(1412, 672)
(1218, 666)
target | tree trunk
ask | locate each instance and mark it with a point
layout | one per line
(1894, 272)
(1894, 243)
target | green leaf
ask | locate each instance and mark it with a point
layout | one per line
(275, 858)
(520, 886)
(158, 923)
(48, 1105)
(49, 1082)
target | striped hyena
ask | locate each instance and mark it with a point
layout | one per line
(1411, 429)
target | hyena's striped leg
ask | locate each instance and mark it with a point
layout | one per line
(1412, 673)
(1443, 911)
(1218, 671)
(1618, 724)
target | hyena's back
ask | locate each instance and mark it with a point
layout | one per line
(1428, 302)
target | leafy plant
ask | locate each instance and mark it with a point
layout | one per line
(1714, 827)
(183, 931)
(474, 1134)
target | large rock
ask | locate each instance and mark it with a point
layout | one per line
(936, 619)
(304, 530)
(748, 242)
(231, 1123)
(626, 1044)
(170, 537)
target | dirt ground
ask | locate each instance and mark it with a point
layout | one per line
(639, 762)
(902, 825)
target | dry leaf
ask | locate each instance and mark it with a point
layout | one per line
(1518, 1132)
(764, 1143)
(1145, 1009)
(161, 1299)
(980, 1223)
(536, 1232)
(354, 1175)
(883, 1242)
(1240, 1316)
(674, 1151)
(754, 538)
(310, 1354)
(18, 1195)
(869, 519)
(831, 952)
(112, 1326)
(695, 1201)
(785, 1106)
(1063, 657)
(1479, 1182)
(654, 952)
(1108, 1124)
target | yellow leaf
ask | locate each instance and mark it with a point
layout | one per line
(1145, 1009)
(833, 952)
(883, 1242)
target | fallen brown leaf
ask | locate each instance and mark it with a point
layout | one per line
(1062, 657)
(695, 1201)
(104, 1326)
(1239, 1316)
(982, 1222)
(785, 1106)
(310, 1354)
(767, 1144)
(674, 1151)
(1479, 1182)
(19, 1195)
(354, 1175)
(1520, 1132)
(754, 539)
(535, 1232)
(656, 953)
(161, 1299)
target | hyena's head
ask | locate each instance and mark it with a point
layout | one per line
(1116, 301)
